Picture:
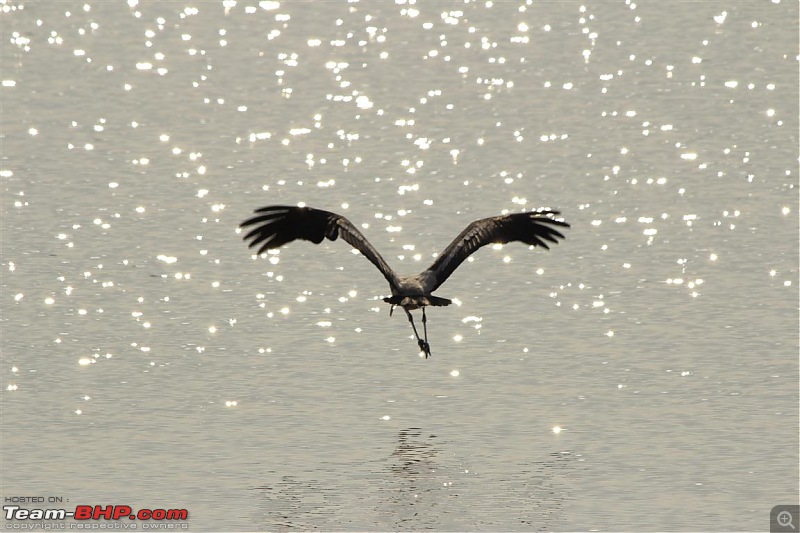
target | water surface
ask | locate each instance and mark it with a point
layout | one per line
(642, 375)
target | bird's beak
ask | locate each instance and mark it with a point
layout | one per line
(391, 310)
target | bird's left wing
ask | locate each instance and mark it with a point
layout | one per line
(277, 225)
(534, 228)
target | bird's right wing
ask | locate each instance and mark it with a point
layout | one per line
(532, 228)
(277, 225)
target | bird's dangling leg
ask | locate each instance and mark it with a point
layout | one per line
(425, 331)
(423, 345)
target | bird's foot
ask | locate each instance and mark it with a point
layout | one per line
(425, 347)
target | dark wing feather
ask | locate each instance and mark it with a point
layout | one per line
(532, 228)
(276, 225)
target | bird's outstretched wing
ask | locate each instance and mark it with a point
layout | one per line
(532, 228)
(277, 225)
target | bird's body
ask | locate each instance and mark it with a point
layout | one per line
(277, 225)
(413, 292)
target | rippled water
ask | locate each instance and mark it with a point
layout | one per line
(642, 375)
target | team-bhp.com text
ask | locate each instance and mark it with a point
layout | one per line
(94, 512)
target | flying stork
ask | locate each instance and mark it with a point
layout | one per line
(276, 225)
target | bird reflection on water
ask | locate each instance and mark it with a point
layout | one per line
(417, 486)
(422, 485)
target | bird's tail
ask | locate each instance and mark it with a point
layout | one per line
(418, 301)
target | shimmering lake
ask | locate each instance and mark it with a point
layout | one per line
(640, 376)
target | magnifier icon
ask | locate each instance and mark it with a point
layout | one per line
(784, 519)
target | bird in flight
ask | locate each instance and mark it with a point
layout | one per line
(276, 225)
